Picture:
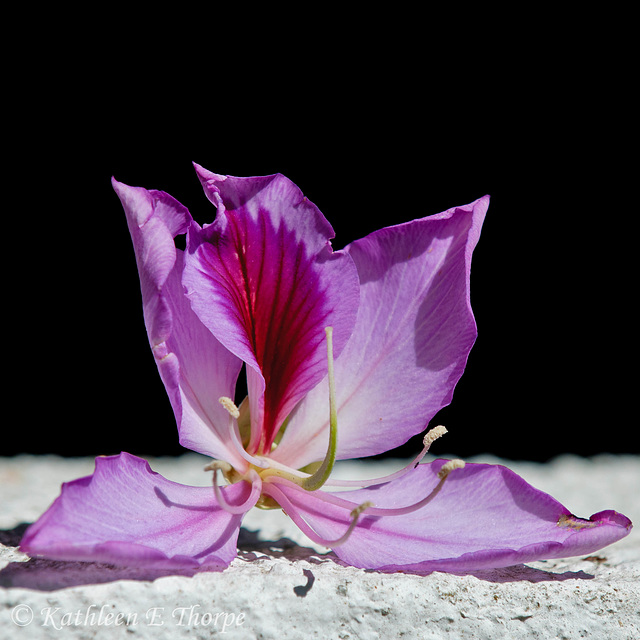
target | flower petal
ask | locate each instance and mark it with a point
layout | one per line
(125, 514)
(409, 347)
(154, 219)
(264, 279)
(195, 368)
(485, 516)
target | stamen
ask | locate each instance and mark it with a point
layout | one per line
(335, 499)
(234, 412)
(293, 513)
(355, 514)
(229, 405)
(283, 470)
(443, 474)
(448, 467)
(430, 437)
(253, 477)
(367, 504)
(216, 465)
(315, 481)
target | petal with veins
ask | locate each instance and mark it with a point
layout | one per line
(264, 279)
(154, 219)
(125, 514)
(195, 368)
(409, 347)
(485, 516)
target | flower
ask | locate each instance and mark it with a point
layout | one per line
(347, 354)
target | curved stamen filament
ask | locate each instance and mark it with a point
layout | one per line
(234, 412)
(308, 482)
(443, 474)
(292, 512)
(427, 441)
(252, 476)
(335, 499)
(316, 480)
(285, 471)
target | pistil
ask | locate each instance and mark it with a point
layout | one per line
(262, 470)
(316, 480)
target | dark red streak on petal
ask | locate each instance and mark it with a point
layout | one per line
(280, 304)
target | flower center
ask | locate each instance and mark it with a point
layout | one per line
(321, 475)
(264, 470)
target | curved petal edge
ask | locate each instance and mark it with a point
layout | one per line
(484, 516)
(126, 514)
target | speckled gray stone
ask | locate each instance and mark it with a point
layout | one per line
(283, 587)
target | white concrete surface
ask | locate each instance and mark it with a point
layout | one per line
(280, 587)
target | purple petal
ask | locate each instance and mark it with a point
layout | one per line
(485, 516)
(126, 514)
(409, 347)
(195, 368)
(263, 278)
(154, 219)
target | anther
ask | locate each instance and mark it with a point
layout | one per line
(355, 514)
(218, 465)
(432, 435)
(443, 474)
(360, 508)
(448, 467)
(288, 507)
(228, 404)
(252, 477)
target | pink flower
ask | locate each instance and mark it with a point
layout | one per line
(348, 354)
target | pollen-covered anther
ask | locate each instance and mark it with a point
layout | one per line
(429, 438)
(229, 405)
(443, 474)
(433, 434)
(448, 467)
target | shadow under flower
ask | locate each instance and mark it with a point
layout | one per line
(514, 573)
(41, 574)
(525, 573)
(49, 575)
(252, 547)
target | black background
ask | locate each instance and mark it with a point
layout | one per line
(553, 285)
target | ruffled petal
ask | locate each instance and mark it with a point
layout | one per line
(411, 341)
(264, 279)
(485, 516)
(154, 219)
(195, 368)
(127, 515)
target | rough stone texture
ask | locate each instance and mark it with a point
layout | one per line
(281, 587)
